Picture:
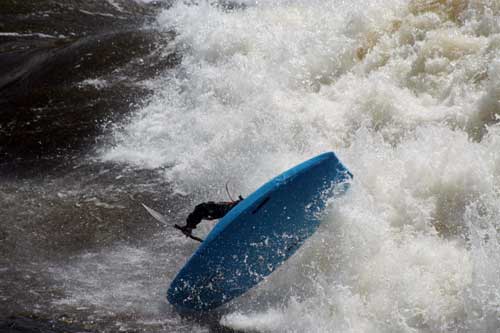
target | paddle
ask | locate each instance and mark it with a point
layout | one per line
(159, 217)
(176, 226)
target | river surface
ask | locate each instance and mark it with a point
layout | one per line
(107, 104)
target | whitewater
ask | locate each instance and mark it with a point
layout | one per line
(407, 93)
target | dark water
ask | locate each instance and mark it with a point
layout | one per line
(48, 50)
(69, 70)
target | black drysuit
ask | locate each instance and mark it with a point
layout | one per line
(208, 211)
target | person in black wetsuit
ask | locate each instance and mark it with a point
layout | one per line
(207, 211)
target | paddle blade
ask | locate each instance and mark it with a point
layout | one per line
(156, 215)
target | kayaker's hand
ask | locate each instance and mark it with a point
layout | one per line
(186, 230)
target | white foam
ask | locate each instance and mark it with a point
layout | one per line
(124, 282)
(40, 35)
(406, 92)
(99, 14)
(116, 5)
(96, 83)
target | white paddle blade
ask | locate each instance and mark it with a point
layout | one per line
(156, 215)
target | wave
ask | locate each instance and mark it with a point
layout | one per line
(406, 92)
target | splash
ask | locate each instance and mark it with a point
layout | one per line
(406, 92)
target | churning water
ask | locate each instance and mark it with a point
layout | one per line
(406, 92)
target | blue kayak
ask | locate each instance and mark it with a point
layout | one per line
(258, 234)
